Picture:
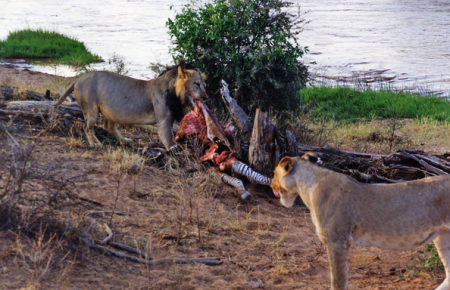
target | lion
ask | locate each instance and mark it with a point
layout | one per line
(344, 211)
(127, 101)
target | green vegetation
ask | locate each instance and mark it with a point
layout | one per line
(433, 263)
(39, 43)
(252, 45)
(351, 105)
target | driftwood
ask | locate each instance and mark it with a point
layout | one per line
(37, 111)
(237, 114)
(8, 93)
(400, 166)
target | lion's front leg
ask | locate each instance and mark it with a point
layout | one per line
(337, 256)
(442, 243)
(165, 131)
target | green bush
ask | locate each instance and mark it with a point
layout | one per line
(252, 45)
(40, 43)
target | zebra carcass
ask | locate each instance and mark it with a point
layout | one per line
(218, 142)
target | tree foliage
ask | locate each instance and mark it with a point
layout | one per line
(252, 45)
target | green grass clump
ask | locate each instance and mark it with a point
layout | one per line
(40, 43)
(350, 105)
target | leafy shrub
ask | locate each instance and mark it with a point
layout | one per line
(252, 45)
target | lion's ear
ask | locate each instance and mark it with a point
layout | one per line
(311, 156)
(181, 72)
(286, 164)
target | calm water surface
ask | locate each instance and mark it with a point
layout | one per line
(407, 41)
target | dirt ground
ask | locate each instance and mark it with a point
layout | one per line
(171, 208)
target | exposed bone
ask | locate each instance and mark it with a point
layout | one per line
(213, 128)
(110, 234)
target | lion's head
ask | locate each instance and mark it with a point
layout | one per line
(284, 181)
(190, 85)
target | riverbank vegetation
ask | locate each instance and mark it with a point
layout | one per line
(345, 104)
(375, 121)
(43, 44)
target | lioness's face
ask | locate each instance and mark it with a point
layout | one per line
(283, 183)
(190, 85)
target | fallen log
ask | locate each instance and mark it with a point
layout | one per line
(8, 115)
(38, 111)
(437, 162)
(44, 107)
(425, 164)
(9, 93)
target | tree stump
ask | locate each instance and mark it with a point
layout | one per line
(264, 149)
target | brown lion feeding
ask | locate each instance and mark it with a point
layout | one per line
(127, 101)
(397, 216)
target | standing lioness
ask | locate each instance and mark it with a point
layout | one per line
(391, 216)
(127, 101)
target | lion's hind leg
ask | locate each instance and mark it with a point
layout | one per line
(112, 128)
(90, 117)
(442, 243)
(338, 258)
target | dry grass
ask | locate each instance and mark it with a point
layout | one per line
(39, 83)
(384, 137)
(75, 142)
(28, 199)
(122, 160)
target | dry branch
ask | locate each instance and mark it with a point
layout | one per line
(207, 261)
(237, 114)
(129, 249)
(426, 165)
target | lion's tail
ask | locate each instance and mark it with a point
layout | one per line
(66, 93)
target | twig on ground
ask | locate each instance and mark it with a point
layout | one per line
(129, 249)
(106, 211)
(207, 261)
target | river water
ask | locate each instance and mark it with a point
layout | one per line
(404, 41)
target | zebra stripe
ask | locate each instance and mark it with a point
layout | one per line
(236, 183)
(253, 176)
